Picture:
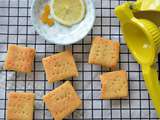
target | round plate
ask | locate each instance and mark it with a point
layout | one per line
(58, 33)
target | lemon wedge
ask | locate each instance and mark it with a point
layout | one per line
(68, 12)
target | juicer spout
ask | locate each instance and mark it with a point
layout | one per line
(124, 12)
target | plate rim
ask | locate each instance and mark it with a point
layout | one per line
(36, 27)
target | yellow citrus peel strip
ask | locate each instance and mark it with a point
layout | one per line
(45, 16)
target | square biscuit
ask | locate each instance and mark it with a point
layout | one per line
(62, 101)
(20, 106)
(60, 66)
(114, 85)
(19, 58)
(104, 52)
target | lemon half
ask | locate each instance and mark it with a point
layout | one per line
(69, 12)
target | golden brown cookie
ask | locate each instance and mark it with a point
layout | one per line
(114, 85)
(62, 101)
(20, 106)
(19, 58)
(60, 66)
(104, 52)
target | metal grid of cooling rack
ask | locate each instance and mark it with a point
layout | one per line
(16, 28)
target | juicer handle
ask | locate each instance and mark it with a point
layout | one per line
(153, 85)
(124, 12)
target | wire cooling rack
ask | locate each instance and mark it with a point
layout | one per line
(16, 28)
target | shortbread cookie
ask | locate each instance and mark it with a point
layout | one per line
(20, 106)
(114, 85)
(19, 58)
(62, 101)
(60, 66)
(104, 52)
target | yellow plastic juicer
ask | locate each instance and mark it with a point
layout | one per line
(142, 37)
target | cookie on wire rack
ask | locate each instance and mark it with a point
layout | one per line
(62, 101)
(19, 58)
(20, 106)
(104, 52)
(60, 66)
(114, 85)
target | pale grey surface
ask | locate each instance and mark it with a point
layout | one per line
(87, 84)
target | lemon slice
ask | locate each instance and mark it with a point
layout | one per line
(68, 12)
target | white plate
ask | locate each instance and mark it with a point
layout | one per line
(60, 34)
